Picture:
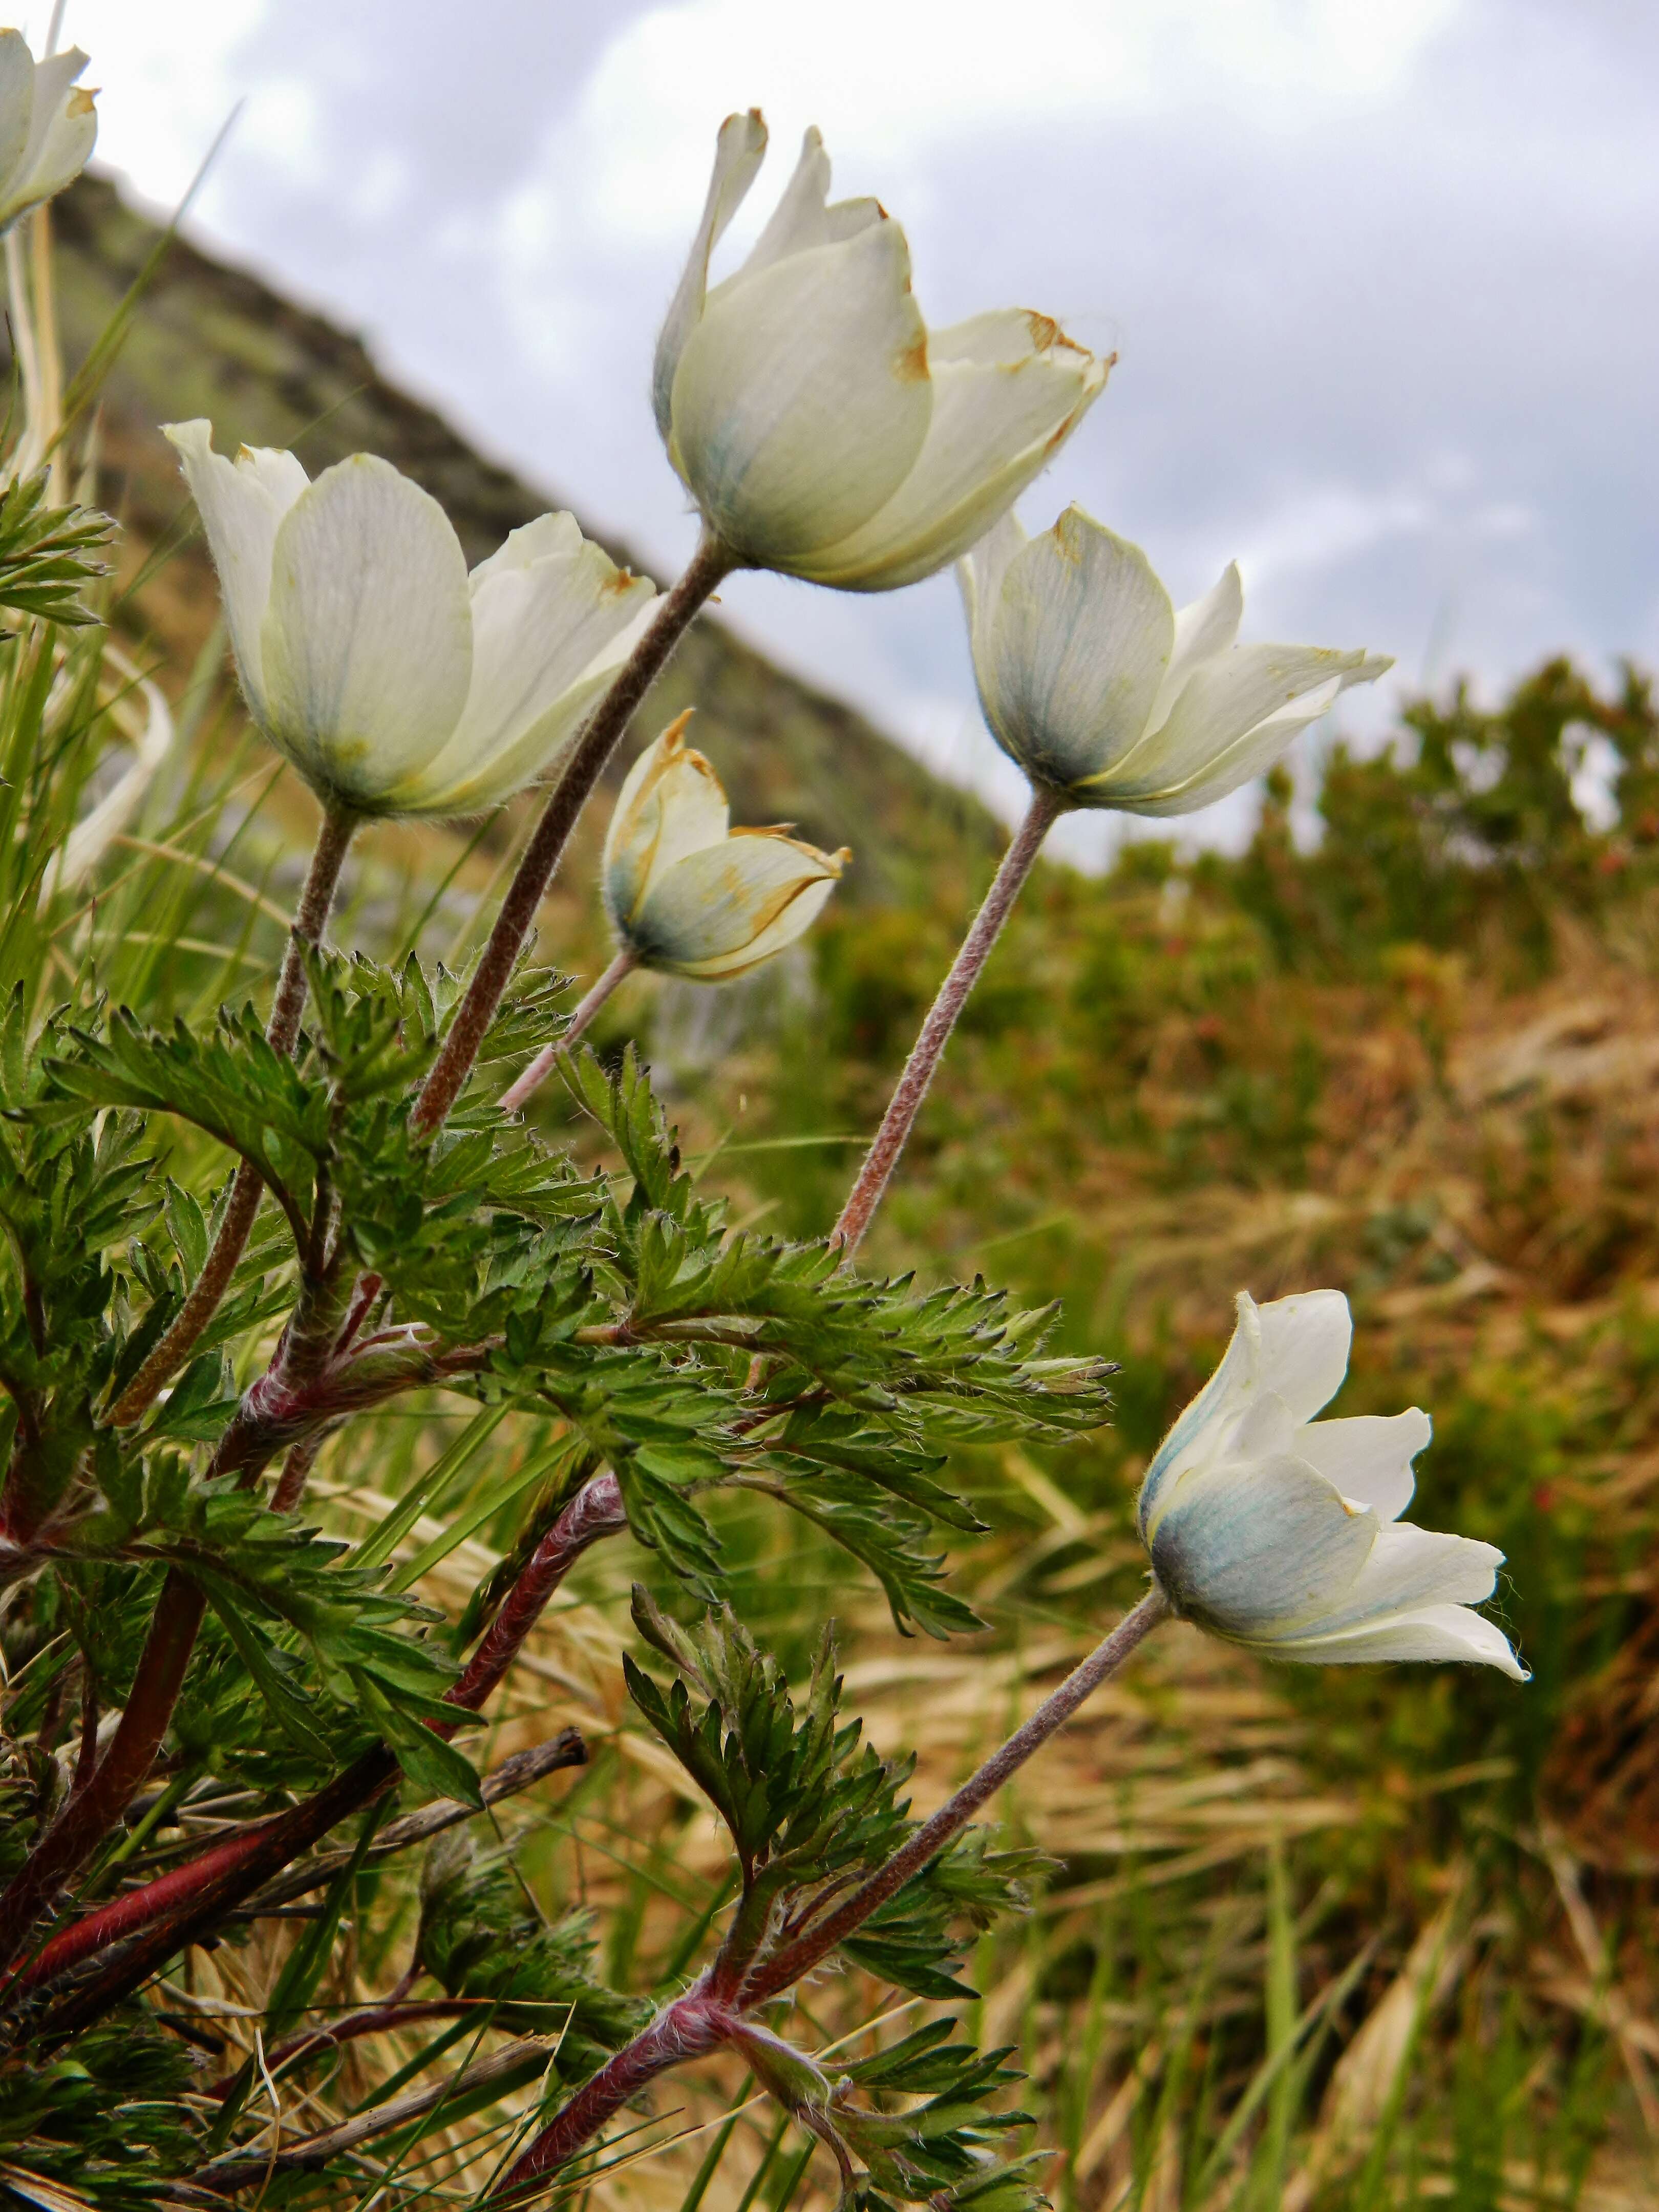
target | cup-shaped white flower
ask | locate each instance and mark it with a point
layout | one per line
(1106, 697)
(48, 124)
(685, 892)
(820, 426)
(395, 682)
(1283, 1534)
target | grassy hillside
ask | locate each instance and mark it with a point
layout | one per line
(1313, 1941)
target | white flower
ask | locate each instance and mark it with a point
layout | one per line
(688, 894)
(395, 682)
(1104, 695)
(48, 124)
(1283, 1534)
(820, 426)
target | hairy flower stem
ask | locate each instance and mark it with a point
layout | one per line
(709, 566)
(701, 2020)
(883, 1156)
(190, 1899)
(517, 1091)
(282, 1032)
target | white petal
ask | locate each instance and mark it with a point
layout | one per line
(1206, 627)
(1443, 1632)
(63, 131)
(1202, 1429)
(723, 909)
(368, 639)
(1070, 660)
(981, 571)
(1409, 1567)
(738, 152)
(544, 609)
(996, 423)
(16, 105)
(802, 398)
(1234, 716)
(1304, 1348)
(1256, 1550)
(671, 805)
(241, 504)
(801, 219)
(1368, 1457)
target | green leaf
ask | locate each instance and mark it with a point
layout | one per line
(430, 1762)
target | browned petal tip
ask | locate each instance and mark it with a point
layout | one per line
(674, 736)
(911, 366)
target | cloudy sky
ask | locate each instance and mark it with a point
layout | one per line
(1381, 277)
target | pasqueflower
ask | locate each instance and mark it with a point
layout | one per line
(48, 124)
(1283, 1534)
(1106, 697)
(819, 423)
(685, 892)
(395, 682)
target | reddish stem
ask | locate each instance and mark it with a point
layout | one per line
(699, 2021)
(93, 1811)
(883, 1156)
(190, 1898)
(282, 1033)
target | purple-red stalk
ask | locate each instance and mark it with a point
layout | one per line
(905, 1105)
(701, 2020)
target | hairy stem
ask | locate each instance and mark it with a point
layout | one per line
(710, 565)
(701, 2020)
(92, 1811)
(883, 1156)
(517, 1091)
(169, 1893)
(810, 1948)
(281, 1031)
(179, 1906)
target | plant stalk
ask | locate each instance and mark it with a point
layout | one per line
(701, 2020)
(282, 1032)
(883, 1156)
(518, 1091)
(189, 1901)
(709, 566)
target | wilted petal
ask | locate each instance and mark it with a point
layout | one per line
(1008, 390)
(367, 642)
(1070, 659)
(1247, 1548)
(1369, 1456)
(730, 906)
(802, 398)
(241, 504)
(738, 152)
(670, 804)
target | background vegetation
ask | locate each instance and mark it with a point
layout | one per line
(1311, 1940)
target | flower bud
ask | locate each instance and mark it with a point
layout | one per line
(1282, 1534)
(820, 427)
(395, 682)
(1104, 695)
(48, 124)
(685, 892)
